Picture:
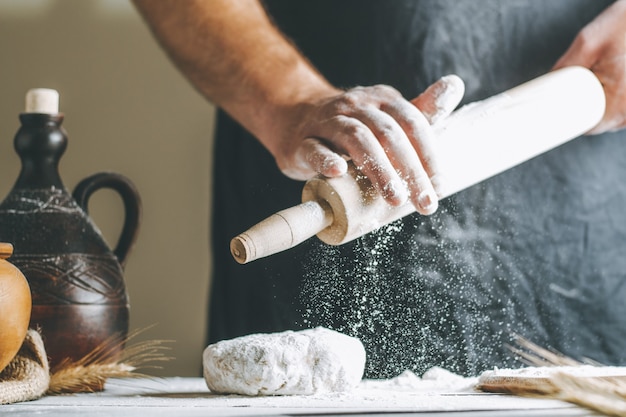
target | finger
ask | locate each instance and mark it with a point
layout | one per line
(579, 53)
(421, 138)
(401, 152)
(435, 103)
(319, 158)
(352, 137)
(441, 98)
(611, 73)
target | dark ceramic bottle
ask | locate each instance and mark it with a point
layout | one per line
(78, 291)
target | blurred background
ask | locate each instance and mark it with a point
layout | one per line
(126, 110)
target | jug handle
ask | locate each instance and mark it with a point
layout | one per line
(130, 198)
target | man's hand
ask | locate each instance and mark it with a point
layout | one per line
(232, 53)
(601, 47)
(387, 138)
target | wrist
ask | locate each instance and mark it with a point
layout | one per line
(285, 111)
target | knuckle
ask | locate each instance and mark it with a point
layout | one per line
(345, 103)
(386, 90)
(419, 181)
(356, 130)
(389, 133)
(348, 127)
(420, 130)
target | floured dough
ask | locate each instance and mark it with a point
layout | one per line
(289, 363)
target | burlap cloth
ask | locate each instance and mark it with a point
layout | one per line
(27, 377)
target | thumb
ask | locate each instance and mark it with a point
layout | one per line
(579, 53)
(441, 98)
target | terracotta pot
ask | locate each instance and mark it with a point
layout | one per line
(15, 306)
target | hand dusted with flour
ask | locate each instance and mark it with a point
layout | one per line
(308, 125)
(289, 363)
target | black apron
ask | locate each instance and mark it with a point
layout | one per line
(539, 250)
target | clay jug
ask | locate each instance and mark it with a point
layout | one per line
(78, 293)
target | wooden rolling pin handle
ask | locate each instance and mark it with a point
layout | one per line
(281, 231)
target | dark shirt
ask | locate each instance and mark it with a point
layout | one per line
(538, 250)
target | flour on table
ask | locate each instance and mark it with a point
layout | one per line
(302, 362)
(435, 379)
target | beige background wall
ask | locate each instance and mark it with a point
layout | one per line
(127, 110)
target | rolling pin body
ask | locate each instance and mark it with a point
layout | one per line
(476, 142)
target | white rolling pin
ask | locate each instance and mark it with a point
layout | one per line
(474, 143)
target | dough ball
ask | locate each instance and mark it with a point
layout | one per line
(289, 363)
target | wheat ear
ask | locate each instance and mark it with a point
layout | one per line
(90, 373)
(606, 395)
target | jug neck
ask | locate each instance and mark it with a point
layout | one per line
(40, 142)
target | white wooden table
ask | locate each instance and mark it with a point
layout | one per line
(182, 397)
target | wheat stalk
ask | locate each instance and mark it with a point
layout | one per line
(90, 373)
(606, 395)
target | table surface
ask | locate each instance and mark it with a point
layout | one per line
(184, 397)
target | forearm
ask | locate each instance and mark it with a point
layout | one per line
(233, 55)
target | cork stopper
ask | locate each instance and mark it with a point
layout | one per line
(42, 100)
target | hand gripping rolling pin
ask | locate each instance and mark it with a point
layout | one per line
(474, 143)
